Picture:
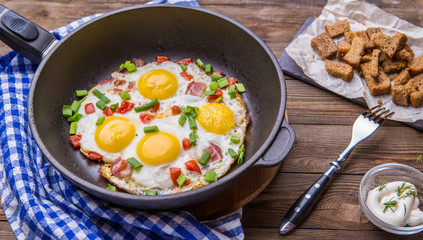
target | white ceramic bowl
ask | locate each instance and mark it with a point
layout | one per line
(388, 173)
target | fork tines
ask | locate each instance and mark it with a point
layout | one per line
(378, 113)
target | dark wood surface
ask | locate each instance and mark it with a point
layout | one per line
(322, 121)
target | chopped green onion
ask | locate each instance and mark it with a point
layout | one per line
(149, 192)
(193, 114)
(101, 96)
(126, 63)
(100, 104)
(182, 119)
(215, 77)
(75, 117)
(223, 82)
(208, 69)
(183, 67)
(181, 179)
(232, 91)
(208, 93)
(204, 157)
(210, 177)
(218, 99)
(75, 106)
(111, 187)
(146, 106)
(131, 67)
(235, 139)
(122, 66)
(72, 129)
(67, 111)
(200, 64)
(240, 87)
(125, 95)
(134, 162)
(213, 86)
(241, 158)
(233, 154)
(100, 120)
(192, 139)
(192, 124)
(151, 129)
(83, 99)
(242, 148)
(81, 93)
(114, 106)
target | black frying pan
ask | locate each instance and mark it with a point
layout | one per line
(91, 52)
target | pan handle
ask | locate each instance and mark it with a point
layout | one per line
(279, 148)
(24, 36)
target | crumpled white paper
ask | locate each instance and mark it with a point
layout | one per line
(360, 15)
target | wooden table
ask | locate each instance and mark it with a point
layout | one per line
(322, 121)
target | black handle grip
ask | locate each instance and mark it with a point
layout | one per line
(303, 205)
(24, 36)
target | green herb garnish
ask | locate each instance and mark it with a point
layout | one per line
(419, 159)
(388, 205)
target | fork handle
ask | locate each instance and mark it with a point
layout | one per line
(304, 204)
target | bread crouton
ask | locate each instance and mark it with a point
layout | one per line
(374, 66)
(349, 36)
(402, 78)
(343, 48)
(416, 99)
(337, 28)
(366, 58)
(416, 65)
(324, 46)
(403, 55)
(339, 69)
(353, 56)
(393, 66)
(371, 31)
(401, 95)
(379, 85)
(387, 44)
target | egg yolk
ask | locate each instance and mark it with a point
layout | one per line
(216, 118)
(158, 83)
(158, 148)
(114, 134)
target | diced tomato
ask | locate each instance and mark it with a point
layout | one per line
(218, 73)
(95, 156)
(107, 112)
(155, 108)
(174, 174)
(218, 94)
(160, 59)
(187, 182)
(185, 144)
(186, 75)
(185, 61)
(192, 165)
(117, 90)
(232, 81)
(146, 118)
(119, 82)
(76, 140)
(125, 107)
(106, 81)
(175, 110)
(89, 108)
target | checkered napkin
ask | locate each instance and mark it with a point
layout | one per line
(40, 203)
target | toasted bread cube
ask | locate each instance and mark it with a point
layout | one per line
(371, 31)
(416, 65)
(366, 58)
(353, 56)
(403, 55)
(374, 66)
(400, 95)
(401, 38)
(416, 99)
(340, 70)
(343, 48)
(349, 36)
(379, 85)
(392, 66)
(337, 28)
(402, 78)
(324, 46)
(387, 44)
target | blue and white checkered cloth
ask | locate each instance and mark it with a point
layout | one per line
(40, 203)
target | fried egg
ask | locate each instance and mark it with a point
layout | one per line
(116, 135)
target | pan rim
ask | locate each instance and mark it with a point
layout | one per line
(224, 181)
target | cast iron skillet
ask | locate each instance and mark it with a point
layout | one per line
(91, 52)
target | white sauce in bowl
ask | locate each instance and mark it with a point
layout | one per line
(395, 203)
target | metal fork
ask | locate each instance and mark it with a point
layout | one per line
(365, 125)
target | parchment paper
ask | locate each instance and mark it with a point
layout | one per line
(360, 15)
